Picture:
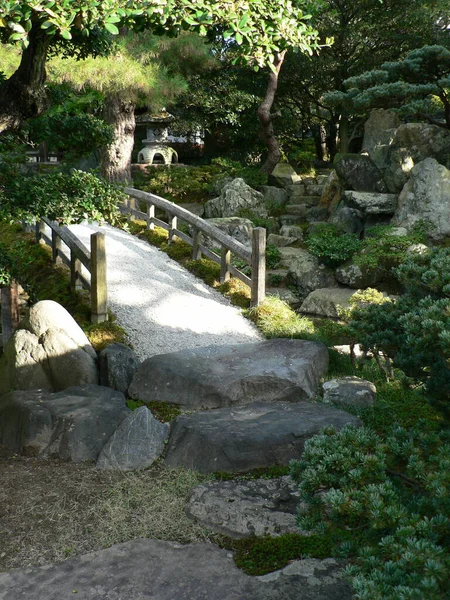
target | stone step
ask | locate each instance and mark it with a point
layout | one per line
(297, 209)
(240, 438)
(308, 200)
(290, 219)
(314, 189)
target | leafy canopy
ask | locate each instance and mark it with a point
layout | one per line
(260, 27)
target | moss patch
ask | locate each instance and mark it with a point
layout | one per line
(275, 318)
(163, 411)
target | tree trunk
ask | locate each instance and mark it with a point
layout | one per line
(344, 138)
(266, 118)
(332, 139)
(115, 160)
(320, 141)
(23, 95)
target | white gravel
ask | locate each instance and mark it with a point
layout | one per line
(162, 307)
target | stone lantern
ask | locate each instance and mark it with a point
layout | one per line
(156, 142)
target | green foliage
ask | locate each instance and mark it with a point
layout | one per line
(5, 266)
(417, 85)
(257, 556)
(331, 246)
(414, 331)
(392, 493)
(163, 411)
(195, 184)
(273, 256)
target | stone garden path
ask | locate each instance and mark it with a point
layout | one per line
(162, 307)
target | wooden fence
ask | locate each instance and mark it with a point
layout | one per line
(256, 257)
(94, 262)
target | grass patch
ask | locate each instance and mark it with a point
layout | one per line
(275, 318)
(163, 411)
(258, 556)
(43, 280)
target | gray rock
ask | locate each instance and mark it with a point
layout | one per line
(314, 190)
(238, 228)
(359, 173)
(283, 176)
(413, 143)
(242, 508)
(317, 213)
(273, 196)
(242, 438)
(72, 425)
(136, 443)
(146, 569)
(348, 220)
(280, 240)
(371, 203)
(357, 277)
(117, 366)
(349, 391)
(194, 207)
(214, 376)
(49, 350)
(417, 249)
(235, 197)
(327, 302)
(221, 183)
(379, 130)
(305, 272)
(292, 231)
(332, 192)
(286, 295)
(426, 196)
(297, 189)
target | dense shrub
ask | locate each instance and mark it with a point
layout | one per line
(414, 331)
(331, 246)
(392, 495)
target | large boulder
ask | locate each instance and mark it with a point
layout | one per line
(426, 196)
(371, 203)
(72, 425)
(136, 444)
(359, 276)
(146, 569)
(117, 366)
(379, 131)
(327, 302)
(237, 227)
(236, 197)
(216, 376)
(243, 508)
(49, 350)
(332, 191)
(242, 438)
(273, 196)
(413, 143)
(359, 173)
(283, 176)
(305, 272)
(348, 220)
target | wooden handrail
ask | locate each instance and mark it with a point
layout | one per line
(94, 261)
(255, 258)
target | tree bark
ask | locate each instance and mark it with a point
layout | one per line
(23, 95)
(344, 138)
(266, 118)
(115, 160)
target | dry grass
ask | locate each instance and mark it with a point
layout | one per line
(50, 510)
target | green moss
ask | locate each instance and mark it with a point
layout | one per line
(257, 556)
(238, 292)
(163, 411)
(205, 269)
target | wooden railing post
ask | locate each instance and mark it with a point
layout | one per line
(10, 311)
(99, 302)
(40, 228)
(56, 247)
(196, 242)
(75, 268)
(258, 266)
(172, 227)
(150, 216)
(225, 261)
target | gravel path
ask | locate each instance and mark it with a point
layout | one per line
(162, 307)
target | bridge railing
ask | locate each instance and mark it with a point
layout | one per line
(67, 248)
(255, 258)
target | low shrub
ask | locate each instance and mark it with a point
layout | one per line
(331, 246)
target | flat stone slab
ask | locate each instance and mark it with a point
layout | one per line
(217, 376)
(156, 570)
(243, 508)
(242, 438)
(73, 424)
